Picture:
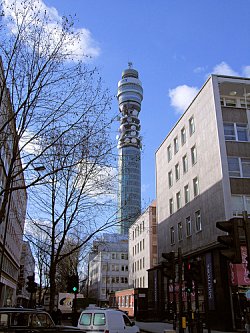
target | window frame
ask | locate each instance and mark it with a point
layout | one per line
(176, 145)
(198, 221)
(196, 189)
(186, 194)
(178, 200)
(177, 171)
(240, 168)
(185, 164)
(172, 236)
(183, 135)
(171, 206)
(194, 155)
(191, 125)
(188, 226)
(237, 129)
(169, 153)
(170, 179)
(180, 231)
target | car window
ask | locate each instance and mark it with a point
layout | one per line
(85, 319)
(127, 322)
(3, 319)
(99, 319)
(19, 319)
(44, 320)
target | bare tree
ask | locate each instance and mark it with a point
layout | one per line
(76, 199)
(45, 86)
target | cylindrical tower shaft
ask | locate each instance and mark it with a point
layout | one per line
(130, 95)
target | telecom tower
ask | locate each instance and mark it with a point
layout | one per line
(130, 95)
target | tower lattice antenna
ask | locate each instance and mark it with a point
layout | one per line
(130, 64)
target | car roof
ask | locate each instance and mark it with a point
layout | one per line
(6, 309)
(100, 310)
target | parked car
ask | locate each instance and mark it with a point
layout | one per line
(106, 320)
(22, 320)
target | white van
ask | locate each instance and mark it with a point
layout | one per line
(106, 321)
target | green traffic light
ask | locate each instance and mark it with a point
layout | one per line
(74, 289)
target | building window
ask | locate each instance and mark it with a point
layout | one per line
(186, 194)
(188, 226)
(191, 126)
(236, 132)
(183, 136)
(180, 235)
(245, 103)
(239, 167)
(240, 203)
(176, 145)
(230, 102)
(233, 166)
(170, 179)
(177, 171)
(245, 166)
(198, 220)
(169, 153)
(178, 200)
(193, 155)
(185, 163)
(172, 235)
(171, 206)
(196, 186)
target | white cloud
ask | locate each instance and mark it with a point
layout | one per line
(246, 71)
(182, 96)
(224, 69)
(29, 144)
(199, 69)
(84, 46)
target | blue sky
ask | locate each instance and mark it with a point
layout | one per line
(174, 44)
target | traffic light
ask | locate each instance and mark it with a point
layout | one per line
(196, 270)
(73, 284)
(231, 241)
(188, 276)
(169, 265)
(31, 285)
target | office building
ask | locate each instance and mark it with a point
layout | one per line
(12, 227)
(203, 176)
(107, 267)
(129, 97)
(143, 253)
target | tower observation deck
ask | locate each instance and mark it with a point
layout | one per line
(130, 95)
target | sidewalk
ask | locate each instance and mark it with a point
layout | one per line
(160, 327)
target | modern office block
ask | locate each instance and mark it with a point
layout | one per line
(203, 176)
